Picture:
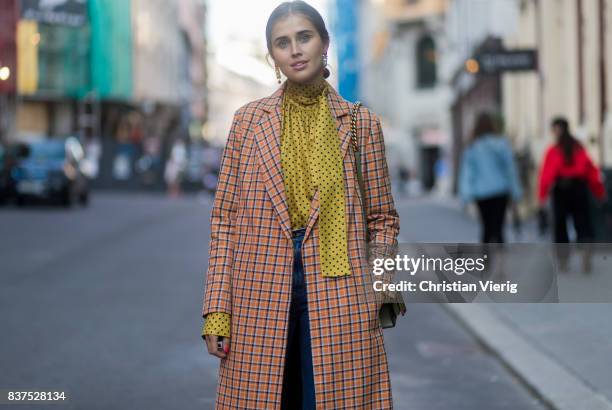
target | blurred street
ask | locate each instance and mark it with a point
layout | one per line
(561, 351)
(105, 307)
(103, 303)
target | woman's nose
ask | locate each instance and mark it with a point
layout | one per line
(295, 50)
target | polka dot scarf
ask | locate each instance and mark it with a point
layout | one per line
(311, 159)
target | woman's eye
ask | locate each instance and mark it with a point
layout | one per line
(305, 38)
(282, 43)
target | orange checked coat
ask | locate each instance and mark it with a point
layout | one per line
(251, 260)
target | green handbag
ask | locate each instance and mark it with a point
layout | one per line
(389, 310)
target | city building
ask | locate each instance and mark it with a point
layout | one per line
(573, 39)
(8, 66)
(475, 29)
(551, 59)
(53, 65)
(403, 45)
(127, 77)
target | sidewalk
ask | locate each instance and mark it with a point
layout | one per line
(563, 352)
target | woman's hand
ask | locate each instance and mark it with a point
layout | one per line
(211, 343)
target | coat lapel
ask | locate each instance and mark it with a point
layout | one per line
(268, 136)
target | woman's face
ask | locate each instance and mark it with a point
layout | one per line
(297, 49)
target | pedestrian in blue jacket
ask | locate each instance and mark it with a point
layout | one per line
(488, 175)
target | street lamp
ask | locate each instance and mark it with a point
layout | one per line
(472, 66)
(5, 73)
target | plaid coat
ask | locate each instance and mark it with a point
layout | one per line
(251, 260)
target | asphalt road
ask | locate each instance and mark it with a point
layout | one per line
(104, 303)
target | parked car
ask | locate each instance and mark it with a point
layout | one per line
(7, 184)
(50, 169)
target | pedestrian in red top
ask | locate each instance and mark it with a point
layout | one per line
(569, 172)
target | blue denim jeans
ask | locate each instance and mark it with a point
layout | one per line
(298, 382)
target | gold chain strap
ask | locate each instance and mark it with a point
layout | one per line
(358, 162)
(354, 125)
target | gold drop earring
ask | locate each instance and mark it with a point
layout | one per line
(278, 74)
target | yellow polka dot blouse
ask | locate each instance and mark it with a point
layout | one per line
(311, 159)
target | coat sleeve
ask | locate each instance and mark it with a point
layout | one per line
(466, 183)
(548, 173)
(594, 179)
(382, 217)
(217, 296)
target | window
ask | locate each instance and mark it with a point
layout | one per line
(426, 60)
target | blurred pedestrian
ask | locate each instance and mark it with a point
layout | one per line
(569, 172)
(403, 178)
(488, 175)
(286, 229)
(175, 166)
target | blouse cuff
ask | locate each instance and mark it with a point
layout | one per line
(217, 323)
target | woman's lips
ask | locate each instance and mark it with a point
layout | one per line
(299, 66)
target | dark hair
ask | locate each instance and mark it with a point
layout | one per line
(485, 124)
(297, 7)
(565, 141)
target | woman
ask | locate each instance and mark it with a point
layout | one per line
(488, 175)
(570, 173)
(287, 283)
